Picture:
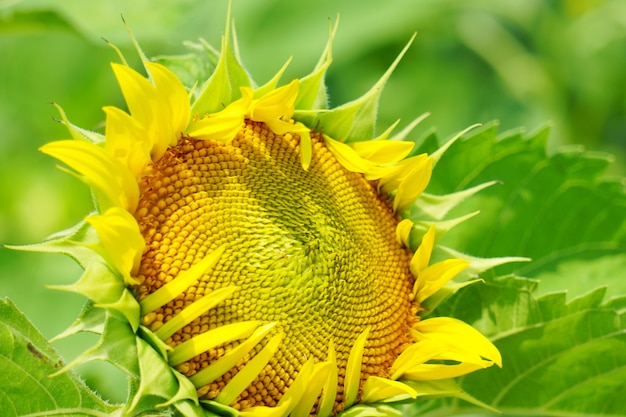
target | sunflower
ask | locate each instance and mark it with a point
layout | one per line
(251, 251)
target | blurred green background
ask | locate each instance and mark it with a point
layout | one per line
(524, 62)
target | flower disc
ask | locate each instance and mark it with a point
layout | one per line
(313, 251)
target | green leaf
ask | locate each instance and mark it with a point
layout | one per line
(27, 362)
(556, 209)
(559, 358)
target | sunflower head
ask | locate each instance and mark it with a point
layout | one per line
(251, 252)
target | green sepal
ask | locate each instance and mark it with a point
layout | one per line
(219, 409)
(619, 305)
(74, 242)
(361, 410)
(404, 133)
(152, 339)
(89, 320)
(273, 82)
(78, 133)
(447, 291)
(312, 93)
(127, 306)
(101, 285)
(480, 265)
(355, 121)
(160, 386)
(443, 148)
(388, 410)
(445, 388)
(387, 132)
(116, 344)
(438, 206)
(198, 64)
(96, 283)
(421, 227)
(222, 87)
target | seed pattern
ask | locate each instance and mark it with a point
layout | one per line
(314, 251)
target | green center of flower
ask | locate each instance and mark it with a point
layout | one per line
(312, 251)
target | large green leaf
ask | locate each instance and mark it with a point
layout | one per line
(27, 363)
(557, 209)
(559, 358)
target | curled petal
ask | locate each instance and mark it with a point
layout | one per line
(127, 141)
(421, 258)
(433, 278)
(113, 184)
(122, 241)
(473, 353)
(383, 152)
(275, 105)
(380, 389)
(173, 96)
(222, 126)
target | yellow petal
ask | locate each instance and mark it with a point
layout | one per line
(317, 380)
(222, 126)
(464, 344)
(445, 339)
(120, 236)
(161, 108)
(353, 369)
(112, 183)
(127, 141)
(430, 372)
(421, 258)
(184, 280)
(298, 387)
(415, 355)
(383, 152)
(329, 391)
(210, 339)
(306, 147)
(403, 231)
(451, 330)
(276, 104)
(413, 185)
(263, 411)
(139, 93)
(433, 278)
(250, 371)
(230, 358)
(402, 170)
(193, 311)
(347, 156)
(174, 97)
(352, 161)
(379, 389)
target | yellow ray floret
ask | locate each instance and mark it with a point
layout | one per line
(430, 279)
(121, 240)
(161, 107)
(476, 351)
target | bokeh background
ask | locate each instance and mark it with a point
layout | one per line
(523, 62)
